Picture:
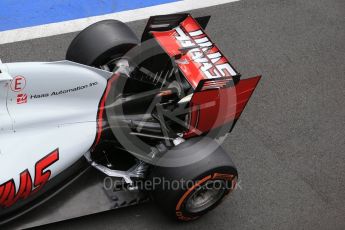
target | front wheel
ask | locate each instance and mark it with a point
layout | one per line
(188, 192)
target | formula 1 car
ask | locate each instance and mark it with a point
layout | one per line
(134, 110)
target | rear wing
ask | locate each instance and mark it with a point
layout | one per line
(185, 41)
(219, 95)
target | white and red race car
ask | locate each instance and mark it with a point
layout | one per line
(134, 110)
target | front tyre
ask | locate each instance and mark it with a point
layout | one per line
(202, 185)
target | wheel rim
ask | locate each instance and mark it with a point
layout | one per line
(205, 196)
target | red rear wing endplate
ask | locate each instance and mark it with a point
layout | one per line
(219, 103)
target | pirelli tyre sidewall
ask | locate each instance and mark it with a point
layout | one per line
(215, 168)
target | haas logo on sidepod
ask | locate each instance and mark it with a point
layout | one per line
(22, 98)
(8, 192)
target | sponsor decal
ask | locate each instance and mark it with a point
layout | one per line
(18, 84)
(64, 91)
(22, 98)
(202, 51)
(194, 52)
(9, 194)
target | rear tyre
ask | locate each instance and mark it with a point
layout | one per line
(204, 185)
(101, 42)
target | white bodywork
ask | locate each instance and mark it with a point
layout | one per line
(60, 112)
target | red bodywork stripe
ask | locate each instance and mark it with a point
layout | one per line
(101, 109)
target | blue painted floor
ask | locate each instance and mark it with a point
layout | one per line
(25, 13)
